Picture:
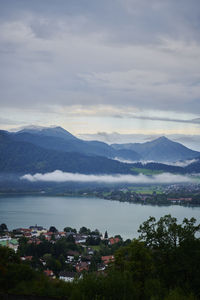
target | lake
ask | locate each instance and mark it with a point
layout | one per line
(115, 217)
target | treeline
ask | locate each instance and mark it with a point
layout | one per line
(163, 263)
(160, 167)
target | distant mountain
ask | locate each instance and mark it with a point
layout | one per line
(40, 149)
(57, 138)
(160, 150)
(56, 131)
(25, 157)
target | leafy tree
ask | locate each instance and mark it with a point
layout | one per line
(93, 241)
(3, 228)
(118, 236)
(70, 239)
(70, 229)
(84, 230)
(166, 233)
(53, 229)
(176, 251)
(47, 257)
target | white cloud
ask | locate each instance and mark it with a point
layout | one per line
(59, 176)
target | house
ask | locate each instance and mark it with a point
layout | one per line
(49, 273)
(35, 241)
(68, 233)
(107, 259)
(90, 251)
(80, 239)
(70, 258)
(36, 227)
(37, 230)
(27, 258)
(62, 233)
(10, 243)
(67, 276)
(82, 266)
(48, 235)
(101, 267)
(179, 200)
(113, 240)
(13, 244)
(27, 234)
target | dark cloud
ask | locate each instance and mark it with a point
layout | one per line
(193, 121)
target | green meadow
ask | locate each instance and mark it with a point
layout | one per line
(147, 171)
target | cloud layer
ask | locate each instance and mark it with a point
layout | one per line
(59, 176)
(128, 55)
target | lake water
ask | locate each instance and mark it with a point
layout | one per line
(113, 216)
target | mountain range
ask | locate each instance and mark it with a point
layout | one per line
(160, 150)
(40, 149)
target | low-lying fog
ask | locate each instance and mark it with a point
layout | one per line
(59, 176)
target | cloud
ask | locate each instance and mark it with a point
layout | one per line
(184, 163)
(5, 121)
(193, 121)
(137, 54)
(59, 176)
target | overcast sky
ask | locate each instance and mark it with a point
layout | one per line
(124, 66)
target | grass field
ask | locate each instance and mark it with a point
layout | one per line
(147, 190)
(146, 171)
(96, 248)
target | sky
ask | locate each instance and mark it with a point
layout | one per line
(112, 68)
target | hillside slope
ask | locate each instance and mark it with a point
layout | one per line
(19, 156)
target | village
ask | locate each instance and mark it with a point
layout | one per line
(177, 194)
(66, 254)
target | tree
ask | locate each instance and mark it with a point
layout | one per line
(166, 233)
(135, 262)
(70, 239)
(84, 230)
(118, 236)
(106, 235)
(70, 229)
(176, 251)
(3, 227)
(53, 229)
(93, 241)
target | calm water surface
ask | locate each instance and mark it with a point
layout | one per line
(113, 216)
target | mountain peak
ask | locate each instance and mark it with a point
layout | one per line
(55, 131)
(38, 128)
(162, 138)
(159, 141)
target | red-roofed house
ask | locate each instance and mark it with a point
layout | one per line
(113, 240)
(28, 258)
(49, 273)
(82, 266)
(107, 259)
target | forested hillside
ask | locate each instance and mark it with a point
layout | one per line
(162, 264)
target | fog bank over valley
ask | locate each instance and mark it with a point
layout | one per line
(59, 176)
